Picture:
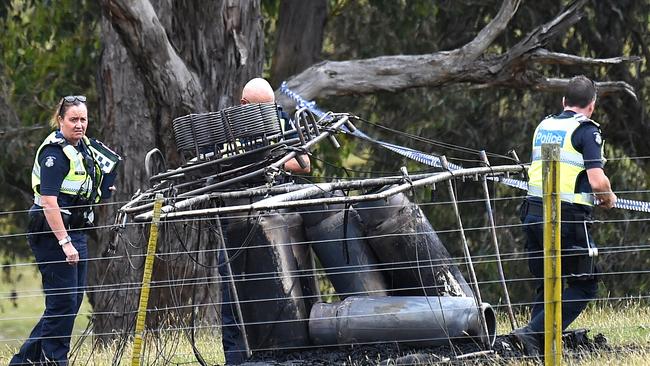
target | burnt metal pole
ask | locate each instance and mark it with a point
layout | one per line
(253, 192)
(233, 288)
(468, 255)
(436, 178)
(502, 277)
(404, 319)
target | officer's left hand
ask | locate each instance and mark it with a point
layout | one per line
(71, 254)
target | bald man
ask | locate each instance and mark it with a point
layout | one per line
(259, 90)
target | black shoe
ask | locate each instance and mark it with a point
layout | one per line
(528, 340)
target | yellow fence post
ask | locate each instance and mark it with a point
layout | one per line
(146, 282)
(552, 255)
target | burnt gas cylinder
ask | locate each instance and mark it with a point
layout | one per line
(348, 261)
(415, 261)
(416, 320)
(264, 268)
(304, 258)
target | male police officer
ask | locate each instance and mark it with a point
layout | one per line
(582, 177)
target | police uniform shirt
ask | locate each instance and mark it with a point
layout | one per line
(54, 167)
(587, 140)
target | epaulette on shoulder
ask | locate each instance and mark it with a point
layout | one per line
(550, 116)
(588, 120)
(57, 139)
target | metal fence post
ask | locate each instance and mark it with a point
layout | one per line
(495, 241)
(552, 254)
(146, 282)
(468, 254)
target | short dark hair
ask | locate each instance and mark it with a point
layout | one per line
(580, 92)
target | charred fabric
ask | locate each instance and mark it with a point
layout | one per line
(392, 274)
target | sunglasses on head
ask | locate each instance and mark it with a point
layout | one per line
(71, 99)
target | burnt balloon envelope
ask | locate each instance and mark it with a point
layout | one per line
(264, 269)
(337, 240)
(306, 271)
(415, 260)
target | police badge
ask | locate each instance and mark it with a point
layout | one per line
(598, 138)
(49, 161)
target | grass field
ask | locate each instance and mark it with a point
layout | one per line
(22, 304)
(18, 316)
(626, 326)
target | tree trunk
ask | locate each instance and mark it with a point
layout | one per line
(146, 79)
(299, 39)
(122, 96)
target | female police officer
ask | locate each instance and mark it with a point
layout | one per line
(66, 180)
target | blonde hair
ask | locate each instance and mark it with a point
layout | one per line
(54, 120)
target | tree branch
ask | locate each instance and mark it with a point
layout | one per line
(393, 73)
(542, 34)
(14, 132)
(491, 31)
(603, 87)
(544, 56)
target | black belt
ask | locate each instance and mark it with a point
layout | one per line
(38, 222)
(569, 211)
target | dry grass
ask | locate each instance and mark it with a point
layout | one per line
(22, 304)
(626, 326)
(172, 347)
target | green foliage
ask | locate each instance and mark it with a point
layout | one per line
(49, 51)
(46, 51)
(270, 13)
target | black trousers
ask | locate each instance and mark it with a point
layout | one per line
(578, 268)
(64, 285)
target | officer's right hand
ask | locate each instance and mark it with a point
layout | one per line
(71, 254)
(607, 200)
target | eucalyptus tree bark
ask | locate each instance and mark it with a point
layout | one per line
(471, 63)
(128, 128)
(299, 37)
(161, 60)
